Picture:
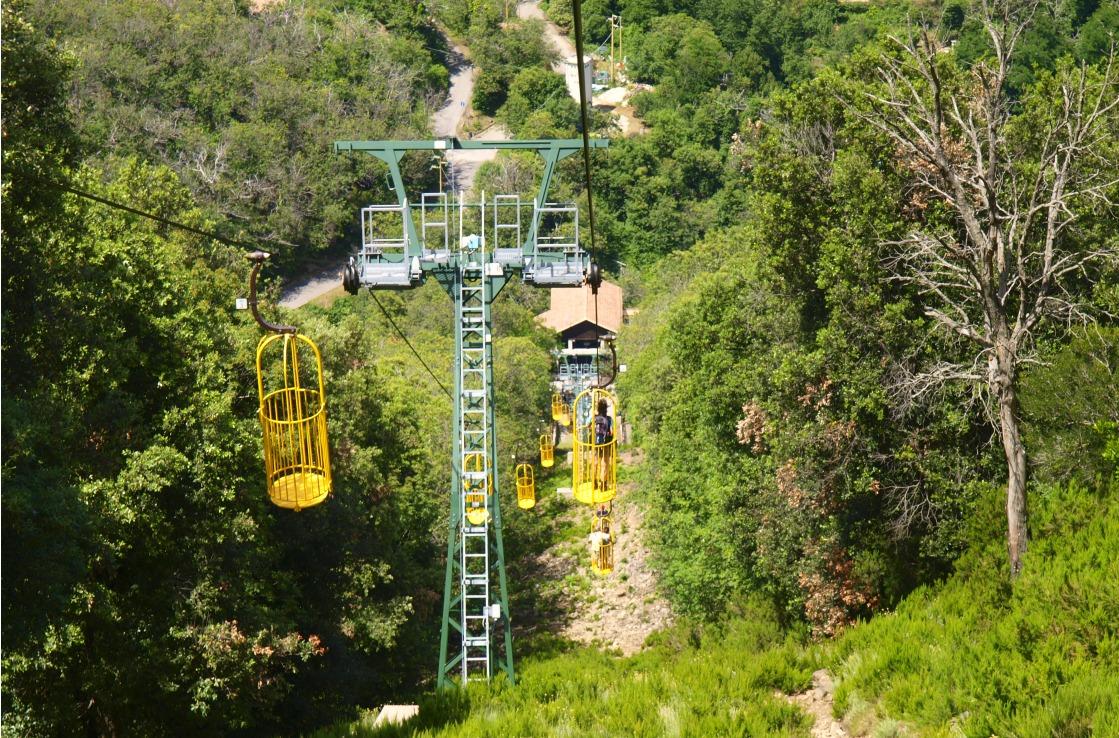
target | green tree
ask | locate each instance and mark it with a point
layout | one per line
(596, 22)
(700, 63)
(1069, 418)
(252, 141)
(45, 531)
(642, 12)
(1098, 33)
(1079, 11)
(952, 17)
(149, 586)
(538, 90)
(653, 55)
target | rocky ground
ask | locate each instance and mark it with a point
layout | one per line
(619, 611)
(615, 612)
(817, 702)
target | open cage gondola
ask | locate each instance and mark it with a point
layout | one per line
(292, 412)
(547, 451)
(602, 542)
(595, 468)
(526, 487)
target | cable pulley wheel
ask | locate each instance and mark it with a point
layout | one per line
(349, 278)
(594, 276)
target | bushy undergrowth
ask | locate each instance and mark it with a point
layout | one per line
(978, 655)
(974, 656)
(715, 680)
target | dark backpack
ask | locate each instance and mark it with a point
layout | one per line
(602, 431)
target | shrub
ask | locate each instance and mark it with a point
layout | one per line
(1036, 659)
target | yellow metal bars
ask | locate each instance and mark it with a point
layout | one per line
(526, 487)
(602, 543)
(476, 490)
(595, 469)
(561, 411)
(547, 451)
(293, 417)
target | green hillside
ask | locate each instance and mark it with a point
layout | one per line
(979, 656)
(969, 656)
(872, 252)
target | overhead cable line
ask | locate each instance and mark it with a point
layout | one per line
(584, 107)
(406, 341)
(595, 276)
(157, 218)
(220, 239)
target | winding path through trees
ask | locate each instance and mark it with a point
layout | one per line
(462, 166)
(564, 45)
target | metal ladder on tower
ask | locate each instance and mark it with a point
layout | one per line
(476, 470)
(477, 637)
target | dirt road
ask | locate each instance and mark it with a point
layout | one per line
(446, 119)
(460, 170)
(617, 611)
(559, 42)
(462, 165)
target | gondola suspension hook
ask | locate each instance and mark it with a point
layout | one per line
(258, 257)
(613, 365)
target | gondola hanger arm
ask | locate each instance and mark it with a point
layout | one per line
(258, 257)
(613, 365)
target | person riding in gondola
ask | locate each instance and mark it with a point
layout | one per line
(603, 435)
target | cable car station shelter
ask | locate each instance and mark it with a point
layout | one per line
(402, 245)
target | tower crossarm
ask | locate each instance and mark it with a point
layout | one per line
(552, 151)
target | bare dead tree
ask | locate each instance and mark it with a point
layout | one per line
(736, 100)
(208, 165)
(1009, 182)
(815, 143)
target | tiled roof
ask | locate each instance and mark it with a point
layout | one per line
(570, 307)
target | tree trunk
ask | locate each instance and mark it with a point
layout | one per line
(1004, 383)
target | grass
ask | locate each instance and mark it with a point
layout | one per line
(976, 656)
(711, 681)
(972, 656)
(327, 298)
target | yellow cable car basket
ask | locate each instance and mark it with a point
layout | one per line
(602, 545)
(595, 470)
(475, 491)
(547, 451)
(565, 415)
(526, 487)
(296, 456)
(557, 406)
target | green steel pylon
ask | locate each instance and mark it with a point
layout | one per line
(476, 640)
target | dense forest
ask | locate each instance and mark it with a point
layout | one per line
(874, 372)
